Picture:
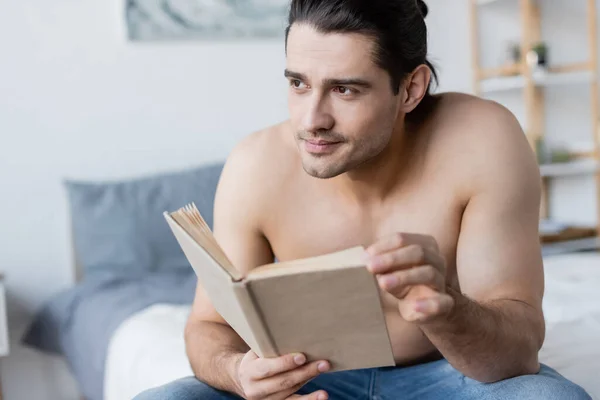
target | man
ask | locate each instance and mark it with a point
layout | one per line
(443, 190)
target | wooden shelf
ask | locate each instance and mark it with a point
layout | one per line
(505, 71)
(566, 78)
(540, 79)
(512, 70)
(576, 67)
(503, 84)
(571, 168)
(566, 234)
(571, 246)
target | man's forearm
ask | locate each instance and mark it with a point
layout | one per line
(489, 342)
(214, 351)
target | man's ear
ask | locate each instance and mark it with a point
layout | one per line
(415, 88)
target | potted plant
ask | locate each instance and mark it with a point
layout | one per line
(538, 55)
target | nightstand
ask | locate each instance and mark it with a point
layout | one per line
(4, 348)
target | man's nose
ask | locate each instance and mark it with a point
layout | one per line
(317, 117)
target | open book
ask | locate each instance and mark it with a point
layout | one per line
(327, 307)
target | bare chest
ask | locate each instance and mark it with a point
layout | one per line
(312, 224)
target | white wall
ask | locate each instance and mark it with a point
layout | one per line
(77, 100)
(449, 43)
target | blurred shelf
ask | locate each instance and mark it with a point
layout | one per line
(556, 232)
(571, 168)
(518, 78)
(571, 246)
(502, 84)
(514, 70)
(565, 78)
(484, 2)
(506, 83)
(550, 227)
(576, 67)
(510, 70)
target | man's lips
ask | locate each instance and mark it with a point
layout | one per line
(320, 146)
(320, 142)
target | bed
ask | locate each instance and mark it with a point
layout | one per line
(572, 311)
(121, 326)
(126, 260)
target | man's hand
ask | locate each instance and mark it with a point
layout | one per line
(278, 378)
(411, 268)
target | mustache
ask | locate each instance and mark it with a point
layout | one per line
(329, 136)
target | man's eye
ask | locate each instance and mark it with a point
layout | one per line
(297, 84)
(343, 90)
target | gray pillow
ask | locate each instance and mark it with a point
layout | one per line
(119, 226)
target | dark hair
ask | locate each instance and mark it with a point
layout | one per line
(398, 27)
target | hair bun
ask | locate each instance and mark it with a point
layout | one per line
(423, 7)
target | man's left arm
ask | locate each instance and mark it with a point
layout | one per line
(494, 327)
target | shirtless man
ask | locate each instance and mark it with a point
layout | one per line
(443, 190)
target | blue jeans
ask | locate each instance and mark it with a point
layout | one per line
(435, 380)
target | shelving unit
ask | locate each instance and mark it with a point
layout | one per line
(547, 79)
(571, 168)
(483, 2)
(532, 82)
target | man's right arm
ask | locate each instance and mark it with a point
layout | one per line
(213, 347)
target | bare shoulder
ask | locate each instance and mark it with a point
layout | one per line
(254, 169)
(486, 142)
(478, 119)
(256, 156)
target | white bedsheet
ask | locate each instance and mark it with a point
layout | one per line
(148, 349)
(572, 310)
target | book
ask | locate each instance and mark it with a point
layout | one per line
(327, 307)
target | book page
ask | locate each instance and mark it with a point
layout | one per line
(191, 221)
(230, 297)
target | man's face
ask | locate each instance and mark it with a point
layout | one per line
(342, 107)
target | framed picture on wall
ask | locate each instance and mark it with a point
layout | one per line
(153, 20)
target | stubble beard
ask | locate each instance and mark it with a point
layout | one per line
(318, 166)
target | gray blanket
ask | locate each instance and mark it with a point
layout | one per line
(79, 322)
